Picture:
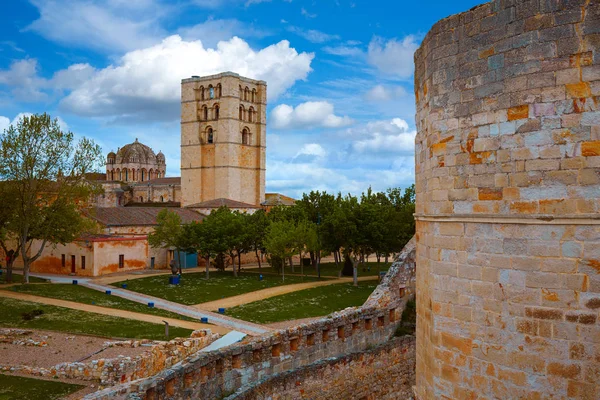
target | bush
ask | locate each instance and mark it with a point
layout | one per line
(28, 316)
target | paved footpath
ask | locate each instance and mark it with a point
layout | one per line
(272, 292)
(189, 311)
(111, 311)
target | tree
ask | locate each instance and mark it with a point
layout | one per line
(280, 244)
(305, 238)
(169, 233)
(201, 241)
(257, 225)
(47, 170)
(8, 242)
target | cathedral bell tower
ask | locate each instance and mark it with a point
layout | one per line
(223, 139)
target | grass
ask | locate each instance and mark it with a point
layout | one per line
(62, 319)
(307, 303)
(18, 278)
(331, 270)
(85, 295)
(19, 388)
(195, 289)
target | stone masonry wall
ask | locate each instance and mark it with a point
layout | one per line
(213, 375)
(113, 371)
(508, 202)
(385, 372)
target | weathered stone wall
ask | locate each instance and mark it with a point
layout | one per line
(385, 372)
(112, 371)
(215, 374)
(508, 196)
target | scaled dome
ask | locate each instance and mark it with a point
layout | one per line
(136, 152)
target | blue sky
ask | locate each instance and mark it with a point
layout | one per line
(339, 74)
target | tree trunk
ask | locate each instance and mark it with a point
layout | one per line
(178, 261)
(239, 261)
(235, 274)
(355, 271)
(207, 266)
(258, 258)
(386, 257)
(335, 259)
(378, 257)
(292, 263)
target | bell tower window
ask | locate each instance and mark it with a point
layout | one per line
(245, 136)
(209, 135)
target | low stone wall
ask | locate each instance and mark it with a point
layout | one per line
(218, 373)
(112, 371)
(385, 372)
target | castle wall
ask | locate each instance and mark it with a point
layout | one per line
(385, 372)
(508, 202)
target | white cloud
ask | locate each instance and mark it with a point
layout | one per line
(146, 83)
(304, 12)
(72, 77)
(384, 93)
(113, 26)
(313, 35)
(23, 78)
(392, 136)
(312, 149)
(312, 114)
(212, 31)
(5, 122)
(344, 51)
(393, 57)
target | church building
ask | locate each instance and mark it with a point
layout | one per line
(223, 161)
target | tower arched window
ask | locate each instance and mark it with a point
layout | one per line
(216, 108)
(245, 136)
(241, 93)
(112, 175)
(141, 199)
(251, 114)
(219, 90)
(162, 199)
(201, 92)
(211, 92)
(246, 93)
(242, 112)
(253, 95)
(126, 175)
(204, 113)
(210, 135)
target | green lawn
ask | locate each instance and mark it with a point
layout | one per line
(331, 270)
(74, 321)
(307, 303)
(19, 388)
(85, 295)
(195, 289)
(18, 278)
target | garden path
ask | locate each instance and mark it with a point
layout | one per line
(257, 295)
(111, 311)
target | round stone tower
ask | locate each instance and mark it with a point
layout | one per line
(508, 202)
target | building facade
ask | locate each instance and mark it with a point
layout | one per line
(135, 162)
(223, 139)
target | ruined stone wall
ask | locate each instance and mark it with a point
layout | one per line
(508, 202)
(112, 371)
(385, 372)
(215, 374)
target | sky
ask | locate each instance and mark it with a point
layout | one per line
(340, 111)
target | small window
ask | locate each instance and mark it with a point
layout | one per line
(121, 260)
(253, 95)
(162, 199)
(241, 112)
(246, 93)
(82, 262)
(209, 135)
(245, 136)
(141, 199)
(211, 90)
(241, 93)
(250, 114)
(216, 111)
(63, 260)
(201, 92)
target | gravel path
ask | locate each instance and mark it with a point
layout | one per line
(257, 295)
(112, 311)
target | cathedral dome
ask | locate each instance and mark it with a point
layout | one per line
(136, 152)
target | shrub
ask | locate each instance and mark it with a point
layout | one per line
(28, 316)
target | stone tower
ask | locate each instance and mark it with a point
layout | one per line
(508, 202)
(223, 139)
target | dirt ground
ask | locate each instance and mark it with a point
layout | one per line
(60, 348)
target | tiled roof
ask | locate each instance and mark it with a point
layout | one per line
(176, 180)
(277, 199)
(163, 204)
(137, 216)
(216, 203)
(95, 176)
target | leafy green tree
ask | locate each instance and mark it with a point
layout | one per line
(47, 169)
(200, 240)
(280, 243)
(257, 224)
(169, 233)
(306, 241)
(8, 213)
